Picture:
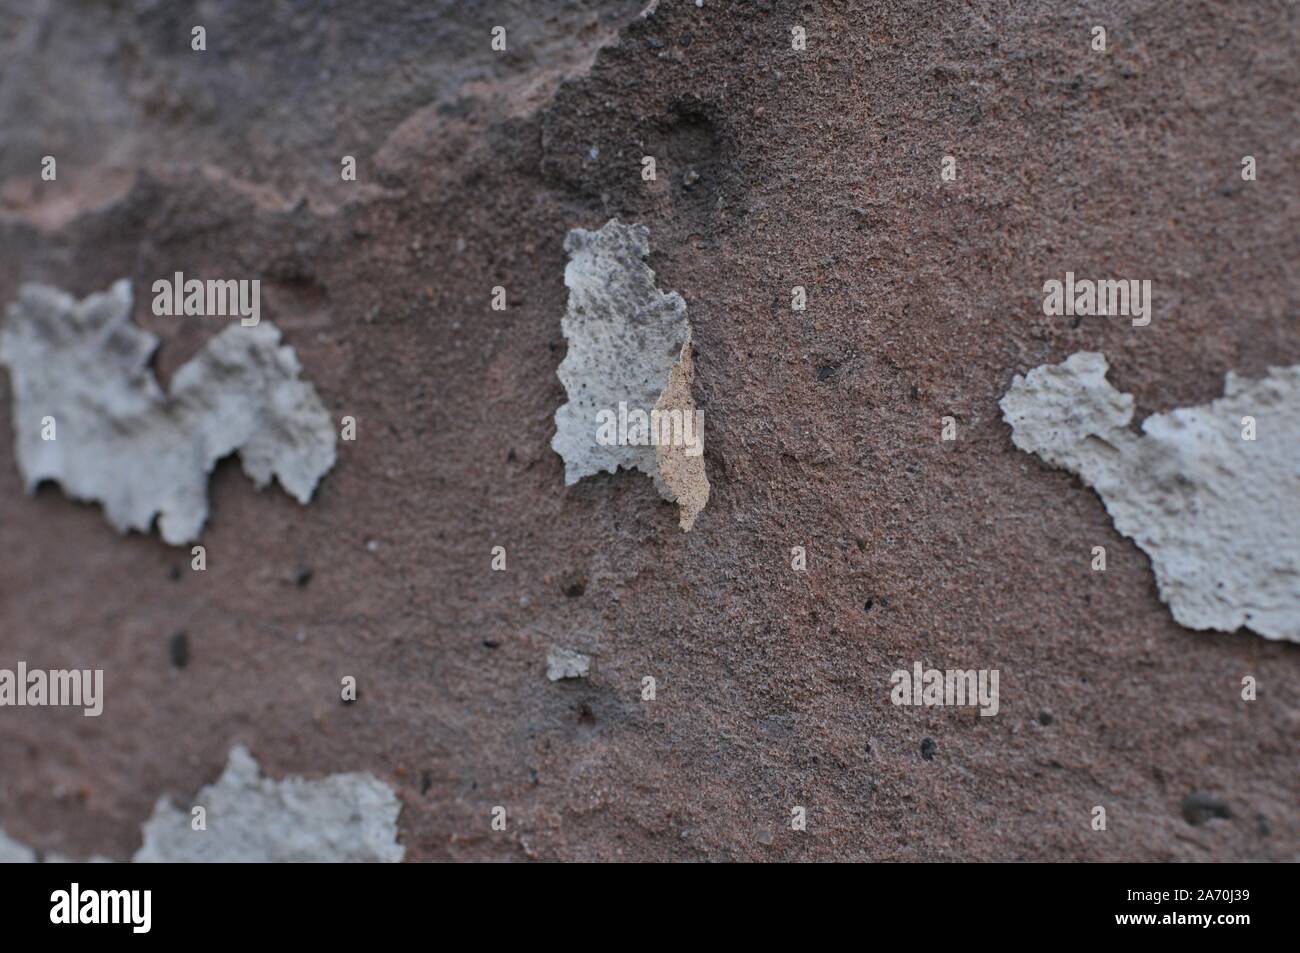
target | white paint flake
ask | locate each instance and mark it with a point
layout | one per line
(121, 441)
(629, 353)
(566, 663)
(12, 852)
(252, 819)
(1218, 514)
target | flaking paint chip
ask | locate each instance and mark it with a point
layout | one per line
(1218, 514)
(628, 371)
(564, 663)
(253, 819)
(13, 852)
(248, 818)
(119, 440)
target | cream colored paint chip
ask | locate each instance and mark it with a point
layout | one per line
(629, 354)
(1218, 514)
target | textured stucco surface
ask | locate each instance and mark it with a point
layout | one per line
(818, 169)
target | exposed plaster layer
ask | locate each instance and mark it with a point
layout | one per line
(629, 345)
(252, 819)
(121, 441)
(1218, 515)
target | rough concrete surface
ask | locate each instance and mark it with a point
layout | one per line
(776, 168)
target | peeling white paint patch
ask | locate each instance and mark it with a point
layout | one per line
(1218, 515)
(60, 859)
(12, 852)
(566, 663)
(121, 441)
(252, 819)
(629, 345)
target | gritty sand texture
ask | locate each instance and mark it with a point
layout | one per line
(818, 169)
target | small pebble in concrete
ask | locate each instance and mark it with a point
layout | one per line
(1198, 808)
(179, 648)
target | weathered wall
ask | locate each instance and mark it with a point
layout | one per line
(817, 168)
